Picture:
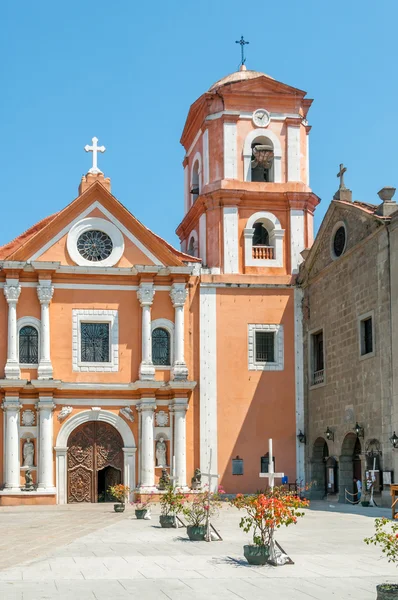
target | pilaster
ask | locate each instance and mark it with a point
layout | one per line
(178, 295)
(145, 295)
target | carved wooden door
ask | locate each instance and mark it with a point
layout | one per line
(91, 447)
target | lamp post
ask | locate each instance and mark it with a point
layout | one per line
(394, 440)
(329, 434)
(359, 430)
(301, 437)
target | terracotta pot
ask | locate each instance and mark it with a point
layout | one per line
(196, 533)
(387, 591)
(167, 521)
(140, 513)
(256, 555)
(119, 507)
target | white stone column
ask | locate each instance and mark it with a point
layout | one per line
(45, 406)
(179, 409)
(147, 454)
(61, 474)
(45, 292)
(145, 295)
(129, 469)
(11, 407)
(178, 295)
(12, 291)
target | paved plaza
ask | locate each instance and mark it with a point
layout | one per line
(89, 552)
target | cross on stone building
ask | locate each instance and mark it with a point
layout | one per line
(340, 174)
(95, 149)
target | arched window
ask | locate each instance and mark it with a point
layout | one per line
(28, 345)
(195, 186)
(260, 235)
(263, 246)
(263, 237)
(262, 161)
(161, 346)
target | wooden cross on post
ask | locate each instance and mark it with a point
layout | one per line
(95, 149)
(372, 474)
(210, 476)
(271, 476)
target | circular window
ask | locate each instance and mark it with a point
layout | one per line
(94, 245)
(95, 242)
(339, 241)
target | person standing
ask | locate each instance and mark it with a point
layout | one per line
(358, 484)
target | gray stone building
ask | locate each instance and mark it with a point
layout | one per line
(350, 293)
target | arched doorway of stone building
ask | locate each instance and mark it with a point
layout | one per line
(320, 454)
(94, 461)
(350, 464)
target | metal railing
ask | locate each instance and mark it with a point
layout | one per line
(318, 377)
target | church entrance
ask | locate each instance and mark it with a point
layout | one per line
(95, 461)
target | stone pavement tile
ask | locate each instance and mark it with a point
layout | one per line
(155, 572)
(11, 574)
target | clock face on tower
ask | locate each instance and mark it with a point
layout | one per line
(261, 117)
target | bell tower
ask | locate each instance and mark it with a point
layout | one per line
(248, 206)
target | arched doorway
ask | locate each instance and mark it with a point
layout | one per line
(350, 464)
(94, 462)
(320, 454)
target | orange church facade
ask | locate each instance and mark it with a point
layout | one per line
(122, 356)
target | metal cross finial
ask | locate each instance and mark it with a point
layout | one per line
(340, 174)
(242, 44)
(94, 149)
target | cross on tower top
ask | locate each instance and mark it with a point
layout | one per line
(94, 149)
(242, 44)
(340, 174)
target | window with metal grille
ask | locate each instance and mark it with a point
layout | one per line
(237, 466)
(318, 351)
(28, 345)
(366, 336)
(94, 342)
(160, 346)
(265, 346)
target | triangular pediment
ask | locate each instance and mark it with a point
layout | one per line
(52, 241)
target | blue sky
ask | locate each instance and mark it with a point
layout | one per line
(128, 71)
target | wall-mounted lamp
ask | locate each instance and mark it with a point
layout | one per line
(358, 430)
(394, 440)
(301, 437)
(329, 434)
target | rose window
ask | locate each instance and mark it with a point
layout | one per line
(94, 245)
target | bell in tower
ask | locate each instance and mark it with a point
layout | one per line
(262, 161)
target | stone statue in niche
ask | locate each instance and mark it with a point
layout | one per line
(28, 453)
(29, 486)
(196, 481)
(164, 480)
(161, 453)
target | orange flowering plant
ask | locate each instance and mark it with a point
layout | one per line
(268, 511)
(386, 536)
(119, 492)
(203, 503)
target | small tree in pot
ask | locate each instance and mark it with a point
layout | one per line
(204, 505)
(386, 536)
(142, 510)
(171, 504)
(119, 492)
(265, 513)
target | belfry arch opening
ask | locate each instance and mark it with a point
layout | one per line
(262, 160)
(195, 186)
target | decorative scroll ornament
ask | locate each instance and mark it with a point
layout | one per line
(127, 412)
(45, 293)
(12, 292)
(263, 156)
(178, 294)
(28, 418)
(64, 412)
(145, 294)
(161, 418)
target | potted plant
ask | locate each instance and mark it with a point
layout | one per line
(119, 492)
(266, 512)
(204, 505)
(171, 503)
(386, 536)
(142, 510)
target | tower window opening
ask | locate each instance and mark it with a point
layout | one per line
(263, 248)
(262, 161)
(195, 188)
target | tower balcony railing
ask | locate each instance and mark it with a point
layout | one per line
(264, 252)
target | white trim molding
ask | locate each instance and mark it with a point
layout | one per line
(208, 380)
(247, 153)
(169, 327)
(276, 235)
(277, 330)
(93, 224)
(293, 153)
(230, 224)
(230, 150)
(80, 315)
(61, 447)
(206, 166)
(202, 238)
(32, 322)
(297, 244)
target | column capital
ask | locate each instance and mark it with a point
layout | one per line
(12, 292)
(179, 405)
(146, 405)
(45, 403)
(45, 293)
(11, 403)
(178, 294)
(145, 294)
